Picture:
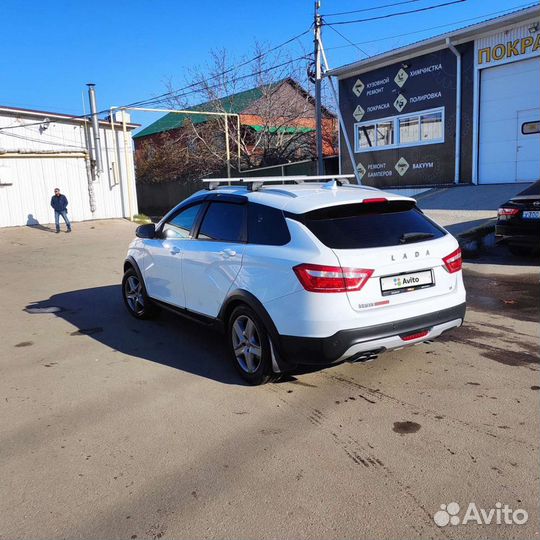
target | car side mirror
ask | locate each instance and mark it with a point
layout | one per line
(146, 231)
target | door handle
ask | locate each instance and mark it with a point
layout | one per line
(228, 253)
(174, 251)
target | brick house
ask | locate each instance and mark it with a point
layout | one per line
(281, 109)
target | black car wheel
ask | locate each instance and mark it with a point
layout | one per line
(134, 293)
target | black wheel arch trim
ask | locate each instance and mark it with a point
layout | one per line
(247, 298)
(131, 262)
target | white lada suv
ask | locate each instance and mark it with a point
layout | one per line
(299, 274)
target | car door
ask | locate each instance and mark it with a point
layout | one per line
(163, 259)
(211, 261)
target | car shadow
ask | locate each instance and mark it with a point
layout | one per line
(500, 255)
(169, 340)
(463, 226)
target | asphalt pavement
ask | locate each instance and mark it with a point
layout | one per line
(117, 428)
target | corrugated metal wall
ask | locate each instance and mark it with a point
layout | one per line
(27, 183)
(513, 43)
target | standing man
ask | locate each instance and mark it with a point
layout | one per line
(59, 202)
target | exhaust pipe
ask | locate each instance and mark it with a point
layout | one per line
(365, 356)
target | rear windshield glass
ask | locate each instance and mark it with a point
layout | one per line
(355, 226)
(531, 190)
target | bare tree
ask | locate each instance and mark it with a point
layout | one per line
(277, 126)
(171, 156)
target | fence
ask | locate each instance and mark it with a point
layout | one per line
(308, 167)
(157, 199)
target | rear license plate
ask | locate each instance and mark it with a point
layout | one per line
(400, 283)
(531, 214)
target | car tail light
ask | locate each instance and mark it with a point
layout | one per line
(329, 279)
(453, 262)
(508, 211)
(375, 200)
(418, 335)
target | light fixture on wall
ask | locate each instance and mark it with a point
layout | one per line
(533, 28)
(44, 125)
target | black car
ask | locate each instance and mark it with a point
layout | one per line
(518, 223)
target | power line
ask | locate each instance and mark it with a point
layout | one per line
(39, 123)
(173, 93)
(58, 137)
(162, 97)
(369, 9)
(225, 72)
(418, 10)
(31, 139)
(347, 39)
(504, 11)
(169, 95)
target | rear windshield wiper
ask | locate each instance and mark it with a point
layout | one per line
(410, 237)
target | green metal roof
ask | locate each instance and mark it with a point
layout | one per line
(234, 104)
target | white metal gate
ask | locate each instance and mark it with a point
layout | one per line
(505, 90)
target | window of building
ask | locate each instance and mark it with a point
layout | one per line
(424, 127)
(385, 133)
(367, 136)
(409, 130)
(431, 126)
(376, 134)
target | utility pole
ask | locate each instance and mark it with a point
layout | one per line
(318, 82)
(227, 149)
(340, 118)
(127, 155)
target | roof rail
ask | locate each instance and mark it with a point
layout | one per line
(254, 183)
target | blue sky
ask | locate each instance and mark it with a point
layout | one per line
(130, 49)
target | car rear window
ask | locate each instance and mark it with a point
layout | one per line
(356, 226)
(534, 189)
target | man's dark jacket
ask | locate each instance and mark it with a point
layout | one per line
(59, 203)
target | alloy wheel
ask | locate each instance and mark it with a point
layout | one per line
(246, 344)
(134, 294)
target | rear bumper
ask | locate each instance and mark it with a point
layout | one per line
(517, 239)
(346, 344)
(520, 233)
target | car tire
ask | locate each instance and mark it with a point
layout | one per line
(249, 346)
(137, 302)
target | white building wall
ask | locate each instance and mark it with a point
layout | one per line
(507, 45)
(27, 182)
(495, 127)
